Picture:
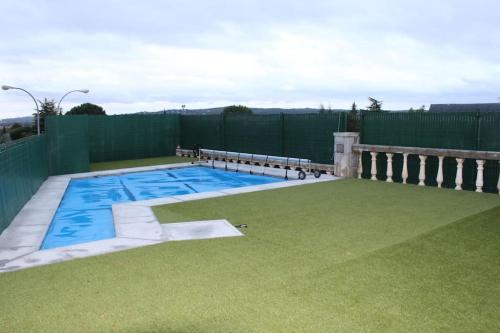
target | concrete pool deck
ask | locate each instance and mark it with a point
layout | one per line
(135, 223)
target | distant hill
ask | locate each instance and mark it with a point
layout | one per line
(218, 110)
(20, 120)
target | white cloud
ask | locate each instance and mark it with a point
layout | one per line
(266, 55)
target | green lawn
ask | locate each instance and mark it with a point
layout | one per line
(343, 256)
(138, 163)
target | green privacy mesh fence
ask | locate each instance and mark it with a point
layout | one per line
(113, 138)
(23, 168)
(75, 141)
(260, 134)
(204, 130)
(68, 144)
(468, 131)
(311, 135)
(305, 135)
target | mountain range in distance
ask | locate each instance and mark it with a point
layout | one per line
(18, 120)
(28, 119)
(218, 110)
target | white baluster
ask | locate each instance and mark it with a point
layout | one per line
(479, 178)
(421, 175)
(458, 178)
(498, 185)
(374, 165)
(389, 167)
(404, 173)
(360, 164)
(439, 177)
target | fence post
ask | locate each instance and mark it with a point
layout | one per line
(223, 125)
(478, 130)
(179, 132)
(361, 126)
(282, 136)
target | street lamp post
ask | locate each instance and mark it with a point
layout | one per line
(36, 103)
(84, 91)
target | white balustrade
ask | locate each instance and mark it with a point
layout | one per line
(479, 178)
(439, 177)
(479, 156)
(404, 173)
(389, 167)
(374, 165)
(458, 177)
(360, 164)
(421, 174)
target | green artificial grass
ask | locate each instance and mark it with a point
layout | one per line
(100, 166)
(348, 256)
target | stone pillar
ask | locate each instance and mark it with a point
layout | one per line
(360, 163)
(346, 161)
(404, 173)
(421, 174)
(439, 177)
(458, 178)
(479, 178)
(374, 165)
(389, 167)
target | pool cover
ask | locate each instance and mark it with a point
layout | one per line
(84, 214)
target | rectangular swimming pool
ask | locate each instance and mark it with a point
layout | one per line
(85, 215)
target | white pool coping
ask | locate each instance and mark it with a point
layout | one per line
(135, 223)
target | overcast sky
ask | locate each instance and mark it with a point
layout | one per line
(150, 55)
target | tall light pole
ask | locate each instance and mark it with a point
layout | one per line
(84, 91)
(36, 103)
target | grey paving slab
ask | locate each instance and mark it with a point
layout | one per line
(57, 186)
(148, 230)
(33, 217)
(154, 202)
(43, 203)
(73, 252)
(199, 230)
(128, 170)
(124, 211)
(198, 196)
(10, 253)
(30, 235)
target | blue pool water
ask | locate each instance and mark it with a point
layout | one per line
(84, 214)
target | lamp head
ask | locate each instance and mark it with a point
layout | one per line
(85, 91)
(7, 87)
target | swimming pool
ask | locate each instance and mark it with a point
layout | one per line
(85, 215)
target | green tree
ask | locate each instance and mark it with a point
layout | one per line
(420, 109)
(375, 105)
(47, 108)
(4, 137)
(322, 109)
(14, 126)
(352, 119)
(87, 108)
(237, 109)
(354, 108)
(17, 131)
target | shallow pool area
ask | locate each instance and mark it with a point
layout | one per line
(85, 215)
